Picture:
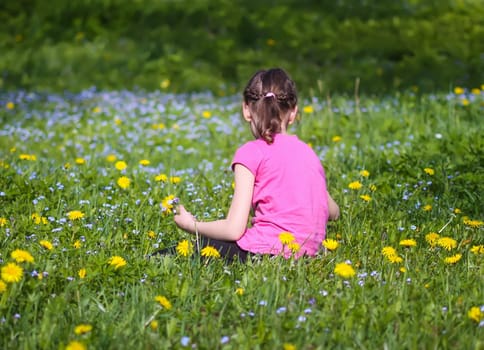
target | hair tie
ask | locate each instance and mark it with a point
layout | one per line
(270, 94)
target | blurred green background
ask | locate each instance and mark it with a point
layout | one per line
(216, 45)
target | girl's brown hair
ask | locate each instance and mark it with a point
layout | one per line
(271, 95)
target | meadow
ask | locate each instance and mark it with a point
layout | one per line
(87, 188)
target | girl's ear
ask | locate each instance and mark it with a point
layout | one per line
(246, 112)
(292, 116)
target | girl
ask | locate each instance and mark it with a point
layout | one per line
(276, 175)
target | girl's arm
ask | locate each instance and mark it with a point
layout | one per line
(232, 227)
(333, 208)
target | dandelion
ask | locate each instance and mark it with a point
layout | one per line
(476, 91)
(344, 270)
(3, 287)
(3, 222)
(75, 215)
(77, 244)
(167, 203)
(82, 273)
(38, 219)
(111, 158)
(210, 252)
(10, 105)
(408, 243)
(151, 234)
(336, 138)
(453, 259)
(154, 325)
(161, 178)
(355, 185)
(475, 313)
(21, 256)
(206, 114)
(457, 211)
(330, 244)
(75, 345)
(432, 238)
(477, 249)
(124, 182)
(175, 179)
(427, 207)
(185, 248)
(82, 329)
(447, 243)
(117, 262)
(294, 247)
(364, 173)
(472, 223)
(286, 237)
(163, 301)
(429, 171)
(144, 162)
(458, 90)
(403, 269)
(120, 165)
(391, 254)
(12, 273)
(308, 109)
(29, 157)
(365, 197)
(372, 188)
(239, 291)
(465, 102)
(46, 244)
(165, 84)
(80, 161)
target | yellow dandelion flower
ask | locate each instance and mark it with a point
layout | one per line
(75, 215)
(395, 259)
(124, 182)
(12, 273)
(82, 273)
(477, 249)
(96, 109)
(372, 188)
(457, 211)
(288, 346)
(432, 238)
(427, 207)
(429, 171)
(30, 157)
(80, 161)
(476, 91)
(144, 162)
(165, 84)
(210, 252)
(365, 197)
(239, 291)
(117, 262)
(167, 204)
(387, 251)
(344, 270)
(473, 223)
(206, 114)
(75, 345)
(453, 259)
(154, 325)
(82, 329)
(3, 222)
(120, 165)
(161, 178)
(67, 165)
(151, 234)
(37, 219)
(3, 287)
(408, 242)
(364, 173)
(163, 301)
(21, 256)
(403, 269)
(465, 102)
(308, 109)
(286, 237)
(77, 244)
(118, 121)
(111, 158)
(475, 314)
(46, 244)
(10, 105)
(294, 247)
(458, 90)
(175, 179)
(330, 244)
(158, 126)
(447, 243)
(355, 185)
(185, 248)
(336, 138)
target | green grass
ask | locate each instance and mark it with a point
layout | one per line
(421, 302)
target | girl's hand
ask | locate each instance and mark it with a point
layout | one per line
(184, 219)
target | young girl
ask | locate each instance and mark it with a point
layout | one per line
(278, 176)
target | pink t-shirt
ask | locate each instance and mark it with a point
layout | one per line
(289, 195)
